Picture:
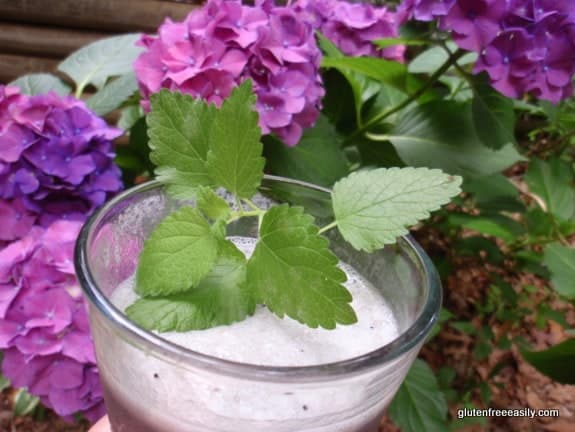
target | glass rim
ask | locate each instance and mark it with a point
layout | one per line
(411, 337)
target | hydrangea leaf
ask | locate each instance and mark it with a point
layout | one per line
(419, 404)
(221, 298)
(555, 362)
(211, 204)
(552, 181)
(440, 134)
(113, 94)
(234, 159)
(293, 272)
(374, 207)
(384, 71)
(179, 128)
(40, 83)
(100, 60)
(318, 158)
(180, 251)
(560, 260)
(493, 115)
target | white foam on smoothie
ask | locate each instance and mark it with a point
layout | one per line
(264, 339)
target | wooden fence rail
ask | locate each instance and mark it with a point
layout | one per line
(36, 34)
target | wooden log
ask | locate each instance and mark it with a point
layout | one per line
(13, 66)
(43, 41)
(109, 15)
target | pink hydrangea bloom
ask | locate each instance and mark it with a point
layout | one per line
(56, 160)
(353, 27)
(223, 43)
(44, 330)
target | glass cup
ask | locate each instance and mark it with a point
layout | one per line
(151, 384)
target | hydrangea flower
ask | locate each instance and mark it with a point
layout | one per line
(44, 331)
(525, 46)
(353, 27)
(56, 160)
(223, 43)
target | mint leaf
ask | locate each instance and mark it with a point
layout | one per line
(235, 160)
(220, 299)
(177, 255)
(179, 130)
(555, 362)
(293, 272)
(419, 404)
(211, 204)
(373, 208)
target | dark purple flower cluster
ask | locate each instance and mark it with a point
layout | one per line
(223, 43)
(56, 161)
(353, 27)
(44, 330)
(525, 46)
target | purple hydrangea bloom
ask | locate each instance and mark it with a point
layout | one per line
(56, 160)
(353, 27)
(525, 46)
(223, 43)
(44, 330)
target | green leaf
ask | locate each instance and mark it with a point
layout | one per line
(113, 94)
(40, 83)
(556, 362)
(552, 180)
(178, 254)
(235, 158)
(373, 207)
(220, 298)
(560, 260)
(494, 192)
(383, 71)
(180, 131)
(293, 272)
(496, 225)
(134, 159)
(129, 116)
(419, 405)
(318, 157)
(211, 204)
(100, 60)
(493, 116)
(24, 403)
(440, 134)
(388, 42)
(432, 59)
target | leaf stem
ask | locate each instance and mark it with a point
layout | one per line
(251, 204)
(453, 58)
(327, 227)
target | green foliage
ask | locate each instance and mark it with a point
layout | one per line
(419, 405)
(440, 134)
(234, 159)
(211, 204)
(493, 116)
(318, 157)
(24, 403)
(552, 181)
(39, 83)
(220, 298)
(113, 94)
(97, 62)
(182, 250)
(293, 272)
(373, 207)
(555, 362)
(180, 130)
(134, 159)
(561, 262)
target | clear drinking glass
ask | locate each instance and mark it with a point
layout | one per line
(200, 393)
